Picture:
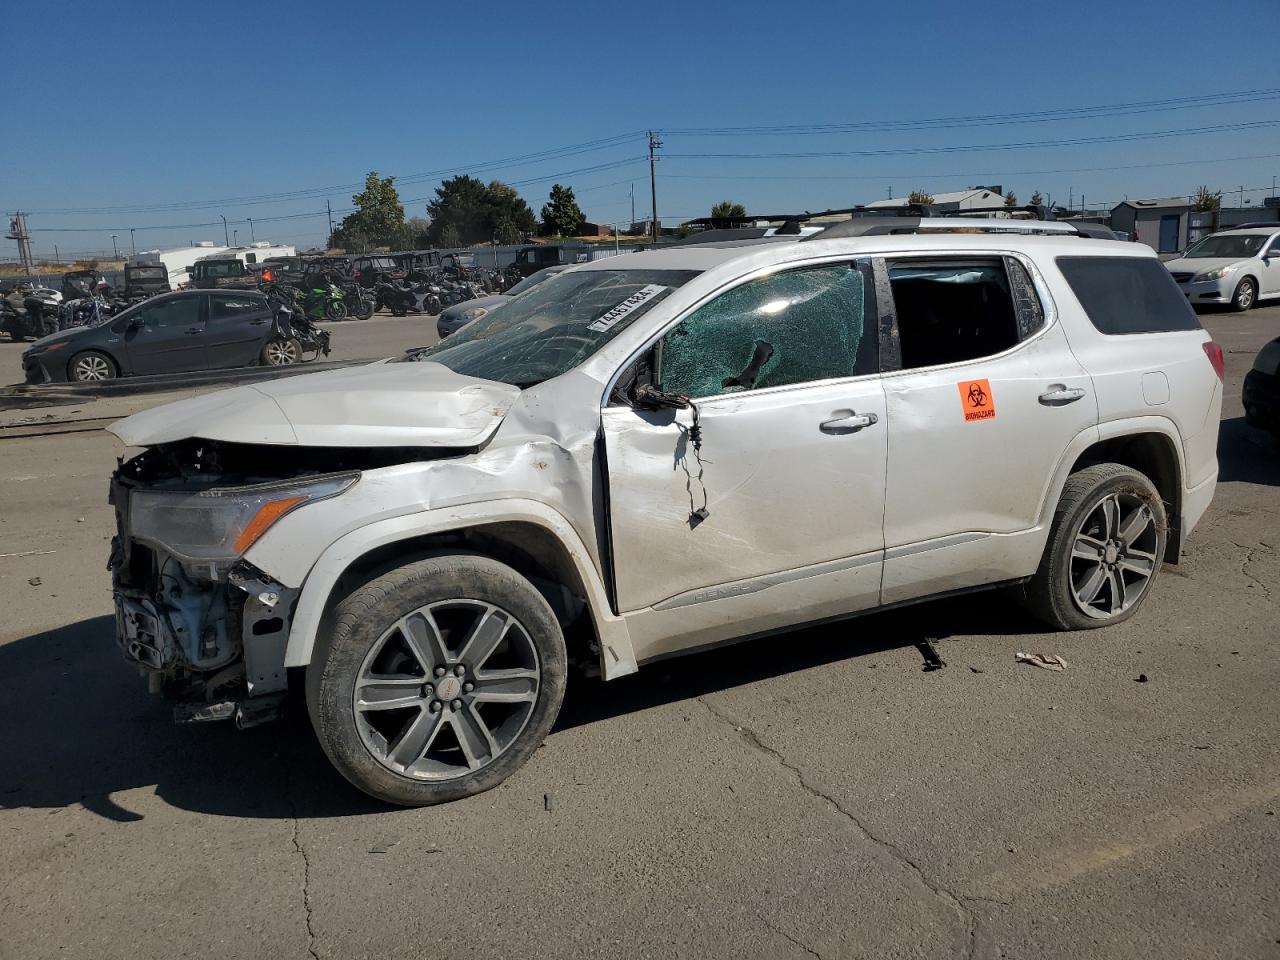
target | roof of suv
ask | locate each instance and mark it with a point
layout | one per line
(709, 255)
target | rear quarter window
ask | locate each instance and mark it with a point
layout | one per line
(1124, 295)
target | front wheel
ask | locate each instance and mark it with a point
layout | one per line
(1245, 296)
(281, 353)
(335, 310)
(91, 367)
(365, 311)
(1104, 552)
(438, 680)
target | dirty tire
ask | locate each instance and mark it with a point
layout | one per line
(363, 619)
(1246, 295)
(91, 367)
(1050, 595)
(281, 353)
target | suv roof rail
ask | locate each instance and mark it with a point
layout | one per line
(870, 226)
(1252, 225)
(901, 210)
(1037, 211)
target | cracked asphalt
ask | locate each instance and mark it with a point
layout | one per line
(814, 794)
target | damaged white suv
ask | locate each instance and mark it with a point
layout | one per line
(657, 452)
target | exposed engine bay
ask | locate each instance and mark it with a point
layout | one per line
(207, 628)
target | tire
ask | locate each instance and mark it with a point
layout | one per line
(1246, 295)
(91, 366)
(1083, 528)
(414, 754)
(366, 310)
(281, 352)
(335, 310)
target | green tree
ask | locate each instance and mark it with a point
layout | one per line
(378, 220)
(919, 196)
(450, 236)
(561, 213)
(473, 212)
(728, 210)
(1206, 199)
(1036, 199)
(417, 232)
(1010, 200)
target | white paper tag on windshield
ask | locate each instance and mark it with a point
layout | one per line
(632, 303)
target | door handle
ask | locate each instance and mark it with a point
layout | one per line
(1059, 395)
(850, 422)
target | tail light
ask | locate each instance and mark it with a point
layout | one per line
(268, 276)
(1213, 351)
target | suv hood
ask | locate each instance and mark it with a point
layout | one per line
(379, 405)
(1201, 264)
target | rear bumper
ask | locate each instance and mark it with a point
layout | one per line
(1261, 399)
(1195, 502)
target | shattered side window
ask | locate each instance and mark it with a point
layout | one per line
(792, 327)
(1026, 302)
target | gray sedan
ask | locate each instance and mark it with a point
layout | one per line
(189, 330)
(452, 319)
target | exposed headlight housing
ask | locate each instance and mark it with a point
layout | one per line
(1216, 274)
(475, 313)
(218, 525)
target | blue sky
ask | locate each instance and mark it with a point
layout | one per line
(169, 105)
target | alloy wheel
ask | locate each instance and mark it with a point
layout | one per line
(281, 353)
(1113, 555)
(92, 368)
(446, 690)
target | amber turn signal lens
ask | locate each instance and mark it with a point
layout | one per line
(267, 514)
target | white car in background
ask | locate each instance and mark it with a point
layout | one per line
(1236, 267)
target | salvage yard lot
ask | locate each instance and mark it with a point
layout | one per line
(813, 793)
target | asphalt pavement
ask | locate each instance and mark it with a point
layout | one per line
(814, 794)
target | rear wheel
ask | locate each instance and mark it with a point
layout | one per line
(281, 353)
(438, 681)
(91, 367)
(365, 311)
(1104, 552)
(1245, 296)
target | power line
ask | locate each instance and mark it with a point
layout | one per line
(973, 148)
(314, 192)
(984, 173)
(949, 123)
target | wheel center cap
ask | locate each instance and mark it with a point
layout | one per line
(448, 688)
(1112, 553)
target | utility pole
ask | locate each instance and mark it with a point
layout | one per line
(1242, 196)
(132, 245)
(654, 145)
(57, 257)
(235, 238)
(329, 210)
(225, 235)
(252, 238)
(18, 231)
(633, 199)
(115, 251)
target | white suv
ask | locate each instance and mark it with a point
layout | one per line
(650, 454)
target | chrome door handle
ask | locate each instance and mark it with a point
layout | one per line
(850, 423)
(1058, 395)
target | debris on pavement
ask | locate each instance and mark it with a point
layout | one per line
(1140, 678)
(35, 581)
(932, 660)
(1045, 661)
(546, 802)
(27, 553)
(383, 844)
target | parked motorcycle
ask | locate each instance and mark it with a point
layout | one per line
(403, 298)
(295, 332)
(29, 315)
(361, 303)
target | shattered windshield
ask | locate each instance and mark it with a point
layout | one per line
(555, 326)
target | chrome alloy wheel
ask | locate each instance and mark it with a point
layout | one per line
(1113, 556)
(446, 690)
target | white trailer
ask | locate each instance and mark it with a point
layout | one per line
(178, 260)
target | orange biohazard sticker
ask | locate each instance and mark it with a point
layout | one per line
(976, 400)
